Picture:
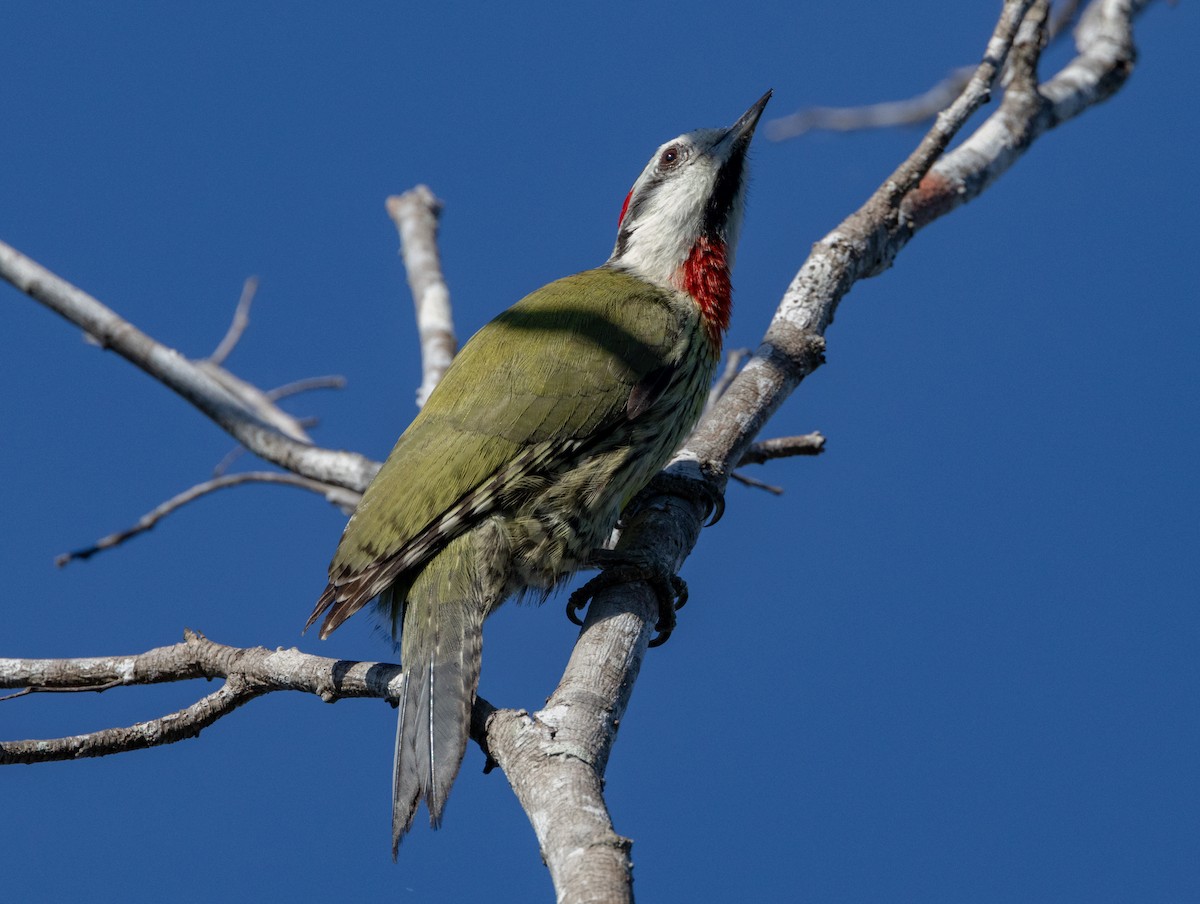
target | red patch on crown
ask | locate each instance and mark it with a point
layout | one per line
(624, 209)
(706, 279)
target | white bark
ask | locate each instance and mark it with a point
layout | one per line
(242, 410)
(416, 215)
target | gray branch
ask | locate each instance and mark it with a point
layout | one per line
(248, 673)
(910, 111)
(783, 447)
(416, 215)
(308, 384)
(667, 527)
(242, 410)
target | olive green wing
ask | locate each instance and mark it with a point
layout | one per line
(545, 379)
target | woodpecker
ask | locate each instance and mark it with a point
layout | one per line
(547, 423)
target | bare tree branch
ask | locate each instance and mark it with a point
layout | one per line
(863, 245)
(333, 381)
(249, 673)
(666, 528)
(339, 496)
(416, 215)
(910, 111)
(780, 447)
(238, 408)
(555, 760)
(756, 484)
(241, 320)
(559, 751)
(1104, 39)
(783, 447)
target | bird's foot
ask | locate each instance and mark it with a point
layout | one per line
(671, 590)
(695, 489)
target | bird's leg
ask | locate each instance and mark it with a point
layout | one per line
(619, 568)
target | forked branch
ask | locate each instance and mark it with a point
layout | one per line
(248, 673)
(236, 406)
(910, 111)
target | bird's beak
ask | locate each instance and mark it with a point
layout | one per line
(742, 131)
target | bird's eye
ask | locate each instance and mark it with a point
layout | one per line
(670, 157)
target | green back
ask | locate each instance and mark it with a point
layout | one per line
(550, 373)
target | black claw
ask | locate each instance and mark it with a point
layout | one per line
(680, 588)
(671, 590)
(577, 602)
(716, 505)
(672, 593)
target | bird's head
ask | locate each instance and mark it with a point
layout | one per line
(680, 222)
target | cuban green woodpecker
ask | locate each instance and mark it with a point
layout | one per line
(546, 424)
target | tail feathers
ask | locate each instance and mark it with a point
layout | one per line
(328, 600)
(441, 651)
(340, 601)
(343, 598)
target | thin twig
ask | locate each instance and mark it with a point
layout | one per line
(911, 111)
(241, 319)
(229, 460)
(94, 689)
(333, 381)
(756, 484)
(336, 495)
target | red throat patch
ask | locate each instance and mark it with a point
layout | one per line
(706, 279)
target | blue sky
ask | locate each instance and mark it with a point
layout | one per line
(957, 660)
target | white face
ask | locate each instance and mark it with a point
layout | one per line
(669, 206)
